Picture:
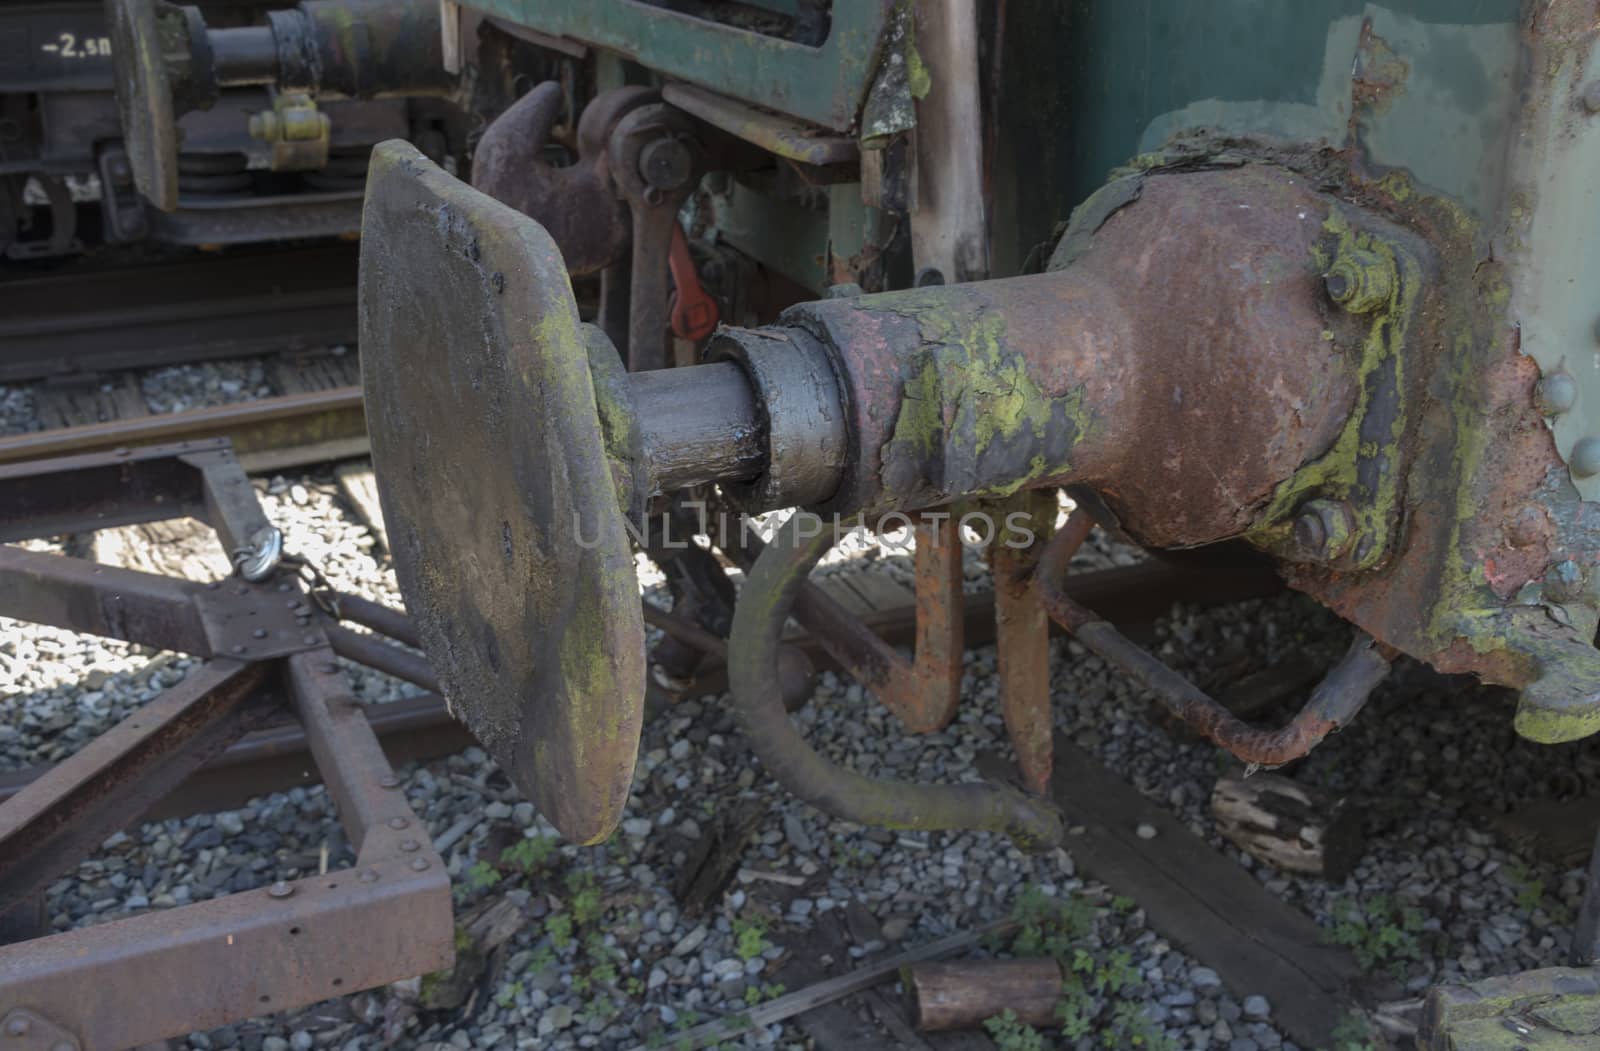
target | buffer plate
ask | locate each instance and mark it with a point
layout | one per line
(491, 468)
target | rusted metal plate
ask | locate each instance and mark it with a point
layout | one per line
(508, 540)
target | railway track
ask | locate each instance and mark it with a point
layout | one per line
(198, 307)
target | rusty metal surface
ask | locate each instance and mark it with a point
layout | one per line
(1333, 704)
(375, 653)
(508, 539)
(792, 140)
(1022, 639)
(55, 821)
(577, 205)
(1120, 371)
(102, 600)
(770, 594)
(113, 985)
(288, 430)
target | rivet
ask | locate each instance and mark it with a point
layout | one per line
(419, 864)
(368, 876)
(18, 1027)
(241, 649)
(1591, 96)
(259, 633)
(1556, 393)
(280, 889)
(409, 845)
(398, 823)
(122, 450)
(389, 781)
(1585, 462)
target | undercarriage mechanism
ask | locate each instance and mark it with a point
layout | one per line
(671, 288)
(1214, 352)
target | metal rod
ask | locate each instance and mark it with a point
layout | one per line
(699, 424)
(378, 617)
(365, 649)
(244, 56)
(1333, 704)
(682, 630)
(768, 597)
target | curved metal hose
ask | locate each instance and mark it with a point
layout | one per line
(764, 605)
(1333, 704)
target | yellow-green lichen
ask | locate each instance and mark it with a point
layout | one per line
(1337, 474)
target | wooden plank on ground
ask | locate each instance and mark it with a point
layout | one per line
(1559, 832)
(360, 486)
(1202, 902)
(174, 547)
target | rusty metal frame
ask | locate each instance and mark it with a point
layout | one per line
(267, 650)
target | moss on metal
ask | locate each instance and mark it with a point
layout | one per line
(972, 419)
(1363, 467)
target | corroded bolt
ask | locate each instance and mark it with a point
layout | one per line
(1556, 393)
(18, 1026)
(280, 889)
(1360, 280)
(1585, 462)
(666, 164)
(1591, 96)
(1324, 529)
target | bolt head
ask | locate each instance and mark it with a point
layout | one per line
(18, 1026)
(1338, 286)
(666, 164)
(1585, 460)
(259, 633)
(419, 864)
(1324, 530)
(280, 889)
(368, 876)
(398, 823)
(389, 781)
(410, 845)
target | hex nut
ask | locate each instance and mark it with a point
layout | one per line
(1324, 530)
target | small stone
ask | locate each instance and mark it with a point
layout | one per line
(794, 830)
(523, 814)
(689, 942)
(895, 928)
(557, 1018)
(1146, 831)
(1257, 1009)
(1204, 978)
(300, 1040)
(497, 811)
(274, 1043)
(637, 827)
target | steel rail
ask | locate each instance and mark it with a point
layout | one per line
(290, 430)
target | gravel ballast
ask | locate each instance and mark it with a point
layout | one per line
(1431, 761)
